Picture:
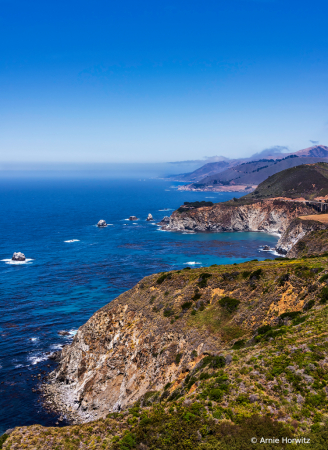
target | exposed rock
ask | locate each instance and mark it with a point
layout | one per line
(18, 256)
(272, 216)
(253, 398)
(63, 333)
(266, 247)
(150, 218)
(299, 399)
(102, 224)
(164, 221)
(55, 356)
(228, 359)
(133, 218)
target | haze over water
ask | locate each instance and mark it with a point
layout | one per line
(66, 282)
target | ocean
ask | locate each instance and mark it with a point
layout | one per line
(75, 268)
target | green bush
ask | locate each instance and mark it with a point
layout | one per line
(238, 344)
(290, 315)
(3, 438)
(163, 277)
(127, 442)
(309, 305)
(256, 274)
(229, 303)
(178, 358)
(323, 278)
(323, 295)
(186, 305)
(246, 273)
(168, 312)
(282, 280)
(203, 279)
(264, 329)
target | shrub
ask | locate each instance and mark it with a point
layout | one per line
(3, 438)
(229, 303)
(323, 278)
(290, 315)
(215, 395)
(246, 273)
(264, 329)
(197, 295)
(127, 442)
(299, 320)
(282, 280)
(178, 358)
(323, 295)
(238, 344)
(167, 386)
(203, 279)
(309, 305)
(163, 278)
(256, 274)
(186, 305)
(168, 312)
(194, 354)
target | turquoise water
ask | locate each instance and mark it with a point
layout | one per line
(66, 282)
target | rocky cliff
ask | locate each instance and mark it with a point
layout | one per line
(157, 332)
(272, 216)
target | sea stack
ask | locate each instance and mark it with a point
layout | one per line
(150, 218)
(18, 257)
(102, 224)
(133, 218)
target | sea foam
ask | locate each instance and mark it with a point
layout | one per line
(16, 263)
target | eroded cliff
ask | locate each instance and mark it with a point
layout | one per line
(272, 216)
(157, 332)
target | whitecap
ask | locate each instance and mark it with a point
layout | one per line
(153, 224)
(72, 332)
(135, 223)
(19, 365)
(10, 261)
(34, 339)
(36, 359)
(73, 240)
(166, 209)
(56, 346)
(192, 263)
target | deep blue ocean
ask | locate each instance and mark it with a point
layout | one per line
(66, 282)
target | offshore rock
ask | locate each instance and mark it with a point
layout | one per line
(164, 221)
(149, 218)
(133, 218)
(18, 257)
(102, 224)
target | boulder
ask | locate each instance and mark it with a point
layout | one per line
(266, 247)
(164, 221)
(133, 218)
(102, 224)
(63, 333)
(55, 356)
(18, 257)
(149, 218)
(253, 398)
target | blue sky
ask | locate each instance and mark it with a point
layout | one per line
(152, 81)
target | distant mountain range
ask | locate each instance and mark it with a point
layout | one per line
(214, 175)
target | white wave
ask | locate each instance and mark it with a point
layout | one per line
(166, 209)
(19, 365)
(34, 339)
(72, 332)
(135, 223)
(192, 263)
(73, 240)
(153, 224)
(10, 261)
(36, 359)
(56, 346)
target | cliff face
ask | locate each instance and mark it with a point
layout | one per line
(157, 333)
(272, 216)
(290, 242)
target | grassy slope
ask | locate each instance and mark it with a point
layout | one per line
(306, 181)
(210, 407)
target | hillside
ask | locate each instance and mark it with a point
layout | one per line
(252, 173)
(201, 359)
(249, 170)
(308, 181)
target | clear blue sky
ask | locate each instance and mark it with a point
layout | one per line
(125, 81)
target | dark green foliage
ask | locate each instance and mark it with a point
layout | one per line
(242, 399)
(246, 273)
(264, 329)
(203, 279)
(323, 295)
(215, 362)
(299, 320)
(168, 312)
(215, 395)
(238, 344)
(167, 386)
(3, 438)
(229, 303)
(197, 295)
(163, 277)
(204, 376)
(282, 280)
(309, 305)
(178, 358)
(290, 315)
(186, 305)
(323, 278)
(187, 268)
(194, 354)
(127, 442)
(256, 274)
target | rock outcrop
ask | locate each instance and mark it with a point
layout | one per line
(133, 218)
(18, 256)
(149, 218)
(271, 216)
(102, 224)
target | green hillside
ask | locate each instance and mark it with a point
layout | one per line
(308, 181)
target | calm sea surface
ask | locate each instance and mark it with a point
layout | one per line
(66, 282)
